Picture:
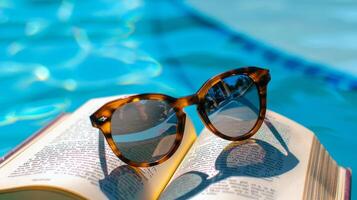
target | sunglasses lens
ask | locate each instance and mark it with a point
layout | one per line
(233, 105)
(144, 131)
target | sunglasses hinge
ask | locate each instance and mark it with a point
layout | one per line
(263, 76)
(98, 121)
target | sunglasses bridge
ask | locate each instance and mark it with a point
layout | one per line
(186, 101)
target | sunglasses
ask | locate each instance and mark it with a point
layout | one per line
(146, 129)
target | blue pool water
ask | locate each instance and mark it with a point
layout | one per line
(55, 55)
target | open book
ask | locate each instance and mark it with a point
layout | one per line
(71, 160)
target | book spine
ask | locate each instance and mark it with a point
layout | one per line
(31, 138)
(348, 184)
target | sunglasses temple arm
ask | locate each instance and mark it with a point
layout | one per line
(246, 102)
(277, 135)
(102, 155)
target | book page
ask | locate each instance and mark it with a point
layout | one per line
(74, 157)
(272, 165)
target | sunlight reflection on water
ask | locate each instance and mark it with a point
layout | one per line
(54, 51)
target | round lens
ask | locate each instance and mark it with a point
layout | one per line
(144, 131)
(232, 105)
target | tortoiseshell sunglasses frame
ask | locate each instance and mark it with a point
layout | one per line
(101, 119)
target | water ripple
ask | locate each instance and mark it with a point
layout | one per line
(36, 111)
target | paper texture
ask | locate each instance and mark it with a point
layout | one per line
(75, 157)
(268, 166)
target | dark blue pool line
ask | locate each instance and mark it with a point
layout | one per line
(337, 79)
